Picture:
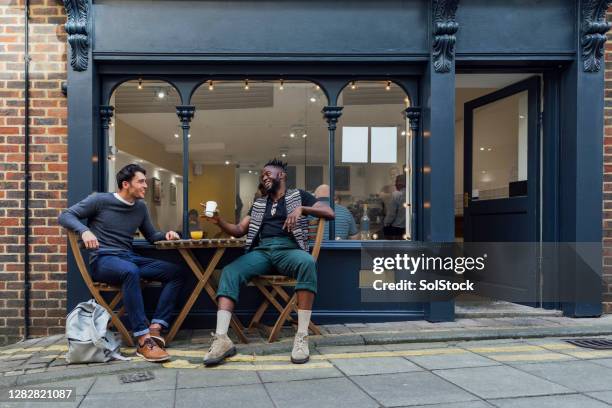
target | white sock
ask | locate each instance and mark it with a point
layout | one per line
(303, 320)
(223, 321)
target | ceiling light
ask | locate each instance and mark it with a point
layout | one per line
(227, 162)
(353, 86)
(250, 171)
(403, 133)
(246, 84)
(189, 135)
(283, 154)
(139, 83)
(313, 99)
(176, 135)
(304, 136)
(282, 85)
(292, 135)
(482, 149)
(489, 149)
(210, 85)
(317, 87)
(522, 116)
(161, 94)
(388, 87)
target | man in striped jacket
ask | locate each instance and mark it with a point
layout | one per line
(277, 240)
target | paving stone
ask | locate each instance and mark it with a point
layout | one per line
(605, 396)
(552, 401)
(151, 398)
(45, 404)
(252, 396)
(81, 385)
(452, 361)
(375, 365)
(411, 389)
(577, 375)
(500, 382)
(298, 375)
(319, 393)
(349, 349)
(201, 378)
(165, 379)
(415, 346)
(468, 404)
(335, 329)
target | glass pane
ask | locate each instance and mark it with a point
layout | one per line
(239, 126)
(143, 129)
(499, 149)
(370, 181)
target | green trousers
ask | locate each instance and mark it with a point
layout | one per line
(280, 255)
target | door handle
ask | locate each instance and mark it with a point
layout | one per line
(466, 200)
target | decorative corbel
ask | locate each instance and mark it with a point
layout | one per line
(444, 29)
(593, 32)
(77, 28)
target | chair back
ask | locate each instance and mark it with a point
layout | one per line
(318, 239)
(73, 239)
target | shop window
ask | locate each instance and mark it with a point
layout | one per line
(371, 155)
(144, 131)
(238, 126)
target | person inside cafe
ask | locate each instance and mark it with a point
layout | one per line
(276, 227)
(112, 220)
(346, 228)
(395, 217)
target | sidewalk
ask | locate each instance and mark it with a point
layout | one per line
(41, 360)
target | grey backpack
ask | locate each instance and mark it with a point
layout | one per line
(89, 341)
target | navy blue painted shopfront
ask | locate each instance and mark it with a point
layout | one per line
(422, 47)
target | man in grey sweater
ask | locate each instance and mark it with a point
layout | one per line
(113, 218)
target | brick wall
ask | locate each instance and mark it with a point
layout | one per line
(607, 184)
(48, 158)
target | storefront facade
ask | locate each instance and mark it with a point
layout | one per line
(447, 60)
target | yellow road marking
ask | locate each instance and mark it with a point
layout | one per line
(504, 349)
(273, 367)
(529, 357)
(590, 354)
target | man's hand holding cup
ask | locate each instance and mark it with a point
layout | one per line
(211, 212)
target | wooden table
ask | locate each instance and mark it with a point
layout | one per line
(184, 247)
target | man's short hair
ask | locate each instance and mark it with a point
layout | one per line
(128, 172)
(277, 163)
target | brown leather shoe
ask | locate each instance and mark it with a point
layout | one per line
(157, 336)
(150, 351)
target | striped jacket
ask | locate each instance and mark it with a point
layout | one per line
(293, 200)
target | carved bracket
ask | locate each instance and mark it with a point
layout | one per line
(444, 29)
(185, 114)
(331, 115)
(413, 114)
(593, 32)
(77, 28)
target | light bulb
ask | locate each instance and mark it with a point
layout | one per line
(227, 162)
(140, 83)
(313, 99)
(388, 87)
(176, 135)
(283, 154)
(282, 85)
(292, 135)
(317, 87)
(246, 84)
(304, 136)
(210, 86)
(189, 135)
(161, 94)
(353, 86)
(403, 133)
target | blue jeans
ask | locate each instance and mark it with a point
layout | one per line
(127, 269)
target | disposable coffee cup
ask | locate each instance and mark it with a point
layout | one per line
(211, 207)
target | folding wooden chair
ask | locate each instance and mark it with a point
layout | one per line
(96, 289)
(271, 287)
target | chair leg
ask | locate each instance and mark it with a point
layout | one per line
(282, 319)
(115, 321)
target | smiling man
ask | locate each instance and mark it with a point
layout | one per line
(277, 241)
(112, 220)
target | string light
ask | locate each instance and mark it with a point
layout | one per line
(210, 85)
(139, 83)
(353, 86)
(246, 84)
(282, 85)
(388, 87)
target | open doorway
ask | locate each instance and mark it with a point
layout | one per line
(497, 187)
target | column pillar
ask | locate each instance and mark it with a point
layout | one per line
(331, 115)
(185, 114)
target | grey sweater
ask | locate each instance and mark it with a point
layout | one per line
(113, 222)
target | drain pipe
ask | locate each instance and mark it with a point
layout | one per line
(26, 257)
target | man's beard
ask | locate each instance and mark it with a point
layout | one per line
(274, 187)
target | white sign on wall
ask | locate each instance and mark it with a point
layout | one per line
(354, 144)
(384, 145)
